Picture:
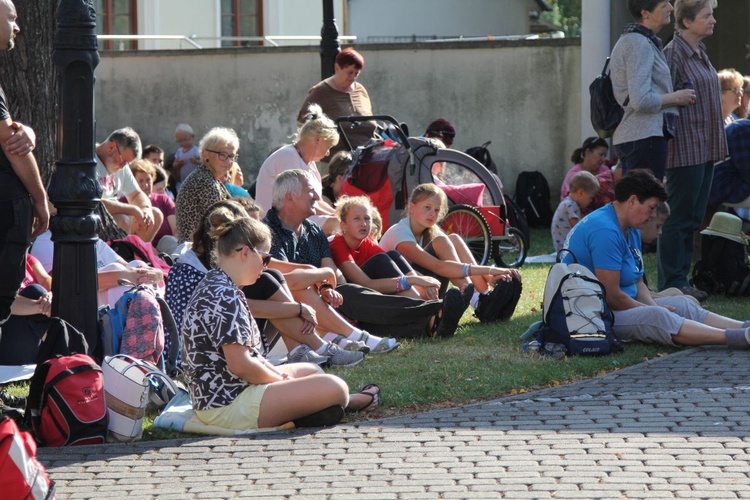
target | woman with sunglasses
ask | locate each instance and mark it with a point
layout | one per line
(608, 242)
(269, 297)
(205, 186)
(231, 384)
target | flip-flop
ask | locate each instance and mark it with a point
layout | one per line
(374, 398)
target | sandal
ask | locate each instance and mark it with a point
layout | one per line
(374, 396)
(351, 345)
(387, 344)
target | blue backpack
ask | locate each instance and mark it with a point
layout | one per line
(575, 311)
(113, 321)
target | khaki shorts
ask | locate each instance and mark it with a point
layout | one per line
(241, 414)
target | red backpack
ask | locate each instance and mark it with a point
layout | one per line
(66, 403)
(21, 474)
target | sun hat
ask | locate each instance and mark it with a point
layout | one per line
(727, 226)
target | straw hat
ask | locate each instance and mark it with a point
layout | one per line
(726, 226)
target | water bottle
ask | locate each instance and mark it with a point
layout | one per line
(688, 85)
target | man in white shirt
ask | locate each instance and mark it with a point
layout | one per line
(137, 216)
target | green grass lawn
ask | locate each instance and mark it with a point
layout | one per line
(485, 361)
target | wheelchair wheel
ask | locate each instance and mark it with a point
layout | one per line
(511, 250)
(467, 222)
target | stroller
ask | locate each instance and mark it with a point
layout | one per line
(388, 169)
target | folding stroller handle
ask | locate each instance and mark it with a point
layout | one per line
(356, 120)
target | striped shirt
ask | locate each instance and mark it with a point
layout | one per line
(700, 131)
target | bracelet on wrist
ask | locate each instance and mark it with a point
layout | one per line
(467, 270)
(300, 309)
(399, 286)
(404, 283)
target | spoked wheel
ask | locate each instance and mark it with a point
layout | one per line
(467, 222)
(511, 250)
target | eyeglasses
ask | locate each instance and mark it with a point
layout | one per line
(122, 163)
(265, 257)
(224, 156)
(736, 90)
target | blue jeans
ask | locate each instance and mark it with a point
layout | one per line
(688, 189)
(649, 153)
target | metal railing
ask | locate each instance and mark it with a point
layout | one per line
(270, 39)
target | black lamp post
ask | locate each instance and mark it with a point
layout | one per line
(329, 41)
(74, 189)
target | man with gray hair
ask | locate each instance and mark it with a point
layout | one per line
(23, 200)
(301, 244)
(134, 213)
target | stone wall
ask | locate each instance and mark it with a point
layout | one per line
(524, 96)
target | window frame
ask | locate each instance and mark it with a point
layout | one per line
(236, 16)
(108, 17)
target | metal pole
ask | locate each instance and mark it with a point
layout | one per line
(329, 41)
(74, 189)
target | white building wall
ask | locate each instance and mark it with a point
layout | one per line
(470, 18)
(178, 17)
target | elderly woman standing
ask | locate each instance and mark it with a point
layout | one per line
(699, 142)
(643, 85)
(342, 95)
(205, 186)
(312, 142)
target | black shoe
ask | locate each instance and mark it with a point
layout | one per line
(468, 293)
(700, 295)
(453, 308)
(328, 416)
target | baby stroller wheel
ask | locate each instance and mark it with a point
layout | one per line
(468, 222)
(510, 250)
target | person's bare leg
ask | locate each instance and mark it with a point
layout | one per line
(124, 222)
(694, 333)
(445, 249)
(147, 233)
(328, 319)
(723, 322)
(296, 398)
(290, 329)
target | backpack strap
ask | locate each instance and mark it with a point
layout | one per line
(170, 327)
(34, 400)
(558, 257)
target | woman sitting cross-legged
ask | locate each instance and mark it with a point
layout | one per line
(363, 262)
(268, 298)
(492, 291)
(608, 242)
(231, 384)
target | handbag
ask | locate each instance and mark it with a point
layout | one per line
(127, 385)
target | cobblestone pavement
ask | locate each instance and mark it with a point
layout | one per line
(678, 426)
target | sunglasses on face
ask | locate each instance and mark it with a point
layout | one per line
(265, 257)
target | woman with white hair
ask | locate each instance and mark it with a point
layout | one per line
(205, 186)
(312, 142)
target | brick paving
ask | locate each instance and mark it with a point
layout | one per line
(675, 427)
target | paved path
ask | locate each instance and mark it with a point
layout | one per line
(678, 426)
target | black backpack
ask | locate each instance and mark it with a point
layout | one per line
(606, 112)
(723, 268)
(532, 197)
(483, 156)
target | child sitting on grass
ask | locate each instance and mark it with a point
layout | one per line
(583, 188)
